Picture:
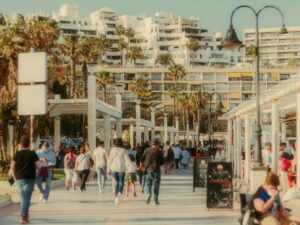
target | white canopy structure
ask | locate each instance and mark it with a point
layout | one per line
(282, 98)
(89, 106)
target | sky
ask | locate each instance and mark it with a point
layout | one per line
(214, 15)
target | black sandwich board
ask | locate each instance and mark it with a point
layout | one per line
(200, 172)
(219, 185)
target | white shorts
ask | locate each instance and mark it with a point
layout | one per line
(71, 175)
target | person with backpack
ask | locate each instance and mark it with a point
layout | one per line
(69, 168)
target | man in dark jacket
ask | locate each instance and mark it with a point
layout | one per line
(152, 159)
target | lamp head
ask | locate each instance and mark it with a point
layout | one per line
(283, 30)
(231, 40)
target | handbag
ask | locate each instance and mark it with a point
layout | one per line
(11, 180)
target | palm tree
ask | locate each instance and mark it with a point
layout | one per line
(104, 78)
(175, 72)
(141, 88)
(193, 46)
(164, 59)
(122, 46)
(88, 52)
(134, 54)
(251, 51)
(119, 30)
(103, 44)
(292, 63)
(129, 33)
(70, 49)
(174, 92)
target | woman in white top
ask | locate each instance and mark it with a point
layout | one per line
(116, 165)
(82, 167)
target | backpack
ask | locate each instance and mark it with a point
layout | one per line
(170, 154)
(70, 162)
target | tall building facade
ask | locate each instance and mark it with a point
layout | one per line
(276, 50)
(233, 85)
(156, 34)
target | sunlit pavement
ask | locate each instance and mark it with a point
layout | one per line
(179, 205)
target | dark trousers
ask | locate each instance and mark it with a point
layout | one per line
(119, 182)
(83, 177)
(177, 163)
(153, 178)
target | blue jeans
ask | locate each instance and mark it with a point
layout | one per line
(153, 178)
(101, 175)
(48, 181)
(119, 184)
(26, 188)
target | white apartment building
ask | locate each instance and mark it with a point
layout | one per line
(156, 34)
(276, 50)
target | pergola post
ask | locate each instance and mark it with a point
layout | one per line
(275, 135)
(197, 138)
(229, 141)
(131, 133)
(92, 111)
(283, 132)
(138, 122)
(119, 121)
(247, 148)
(177, 128)
(106, 131)
(235, 159)
(146, 134)
(165, 128)
(153, 122)
(238, 146)
(187, 134)
(298, 138)
(56, 133)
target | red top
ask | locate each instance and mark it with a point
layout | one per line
(285, 164)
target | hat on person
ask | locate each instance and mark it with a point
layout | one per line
(155, 142)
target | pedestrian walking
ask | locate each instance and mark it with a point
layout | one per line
(130, 175)
(82, 167)
(177, 151)
(117, 167)
(69, 168)
(23, 169)
(151, 160)
(100, 163)
(185, 158)
(44, 175)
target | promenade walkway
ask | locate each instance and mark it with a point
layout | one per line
(179, 205)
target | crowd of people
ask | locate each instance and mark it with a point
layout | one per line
(125, 164)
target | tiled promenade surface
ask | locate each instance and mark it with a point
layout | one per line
(179, 205)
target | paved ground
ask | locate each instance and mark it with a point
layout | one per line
(179, 205)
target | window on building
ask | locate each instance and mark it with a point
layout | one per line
(129, 76)
(234, 87)
(156, 76)
(208, 76)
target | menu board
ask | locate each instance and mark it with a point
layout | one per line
(219, 185)
(200, 172)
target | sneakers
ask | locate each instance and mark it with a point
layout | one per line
(101, 190)
(157, 203)
(45, 201)
(148, 199)
(41, 198)
(24, 220)
(117, 201)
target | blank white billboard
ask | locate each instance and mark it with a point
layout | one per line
(32, 67)
(32, 99)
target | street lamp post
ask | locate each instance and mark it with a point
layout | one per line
(209, 95)
(232, 42)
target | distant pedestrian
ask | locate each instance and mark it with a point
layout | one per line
(152, 159)
(82, 167)
(69, 167)
(100, 163)
(185, 158)
(23, 168)
(177, 151)
(48, 161)
(117, 166)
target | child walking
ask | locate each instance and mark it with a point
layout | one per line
(130, 176)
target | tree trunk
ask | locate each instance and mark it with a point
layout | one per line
(104, 89)
(73, 72)
(174, 113)
(85, 74)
